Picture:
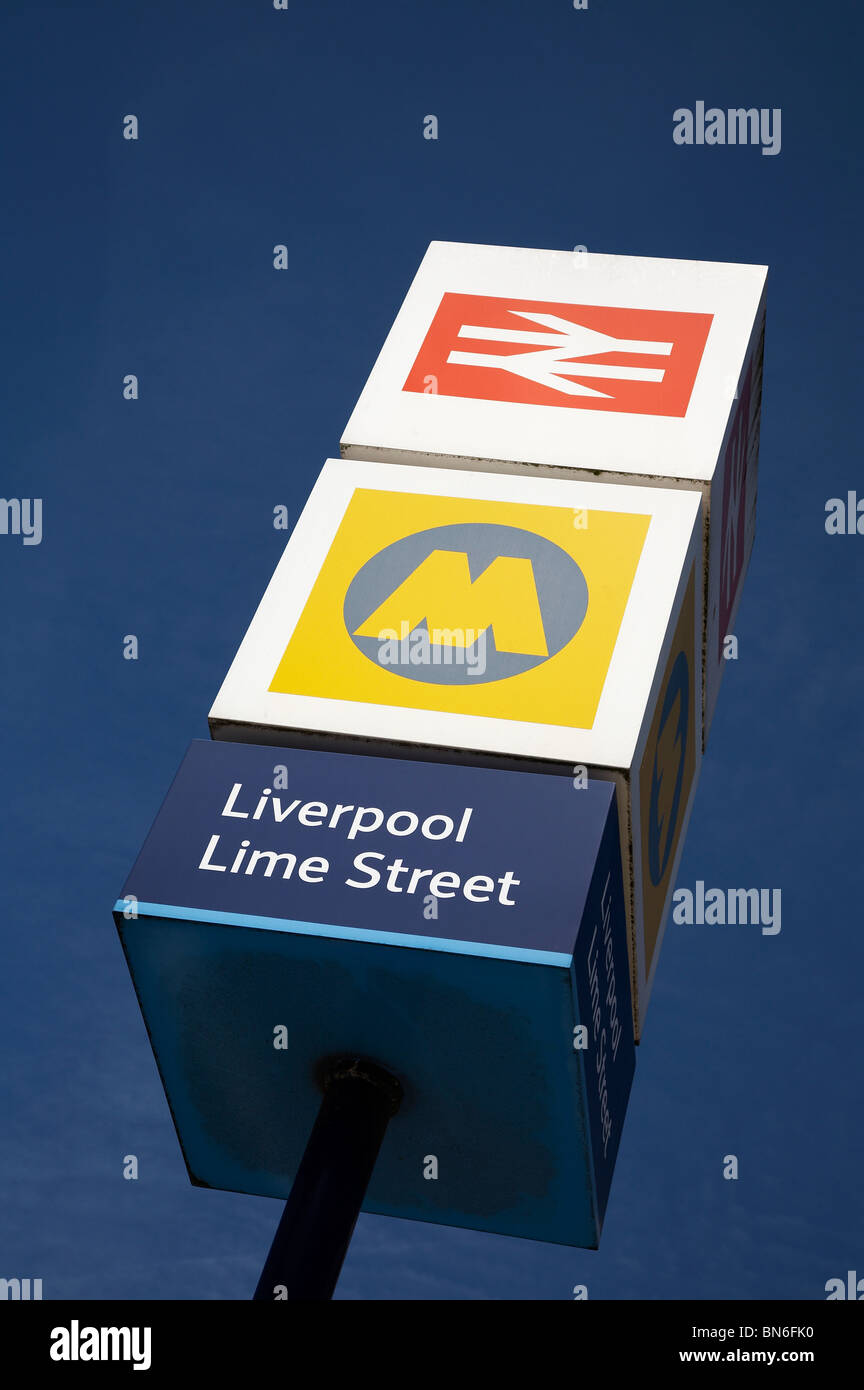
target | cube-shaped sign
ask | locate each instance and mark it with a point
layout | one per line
(460, 926)
(624, 368)
(546, 624)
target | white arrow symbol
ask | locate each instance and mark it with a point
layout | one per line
(566, 341)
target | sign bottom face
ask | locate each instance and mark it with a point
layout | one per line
(504, 1011)
(494, 1132)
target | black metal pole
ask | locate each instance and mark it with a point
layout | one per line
(313, 1236)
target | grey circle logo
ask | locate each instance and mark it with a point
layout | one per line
(453, 652)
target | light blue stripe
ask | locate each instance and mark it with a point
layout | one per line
(426, 943)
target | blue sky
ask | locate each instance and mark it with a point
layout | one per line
(304, 127)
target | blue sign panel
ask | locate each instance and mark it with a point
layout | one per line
(464, 927)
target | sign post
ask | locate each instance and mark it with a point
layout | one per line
(313, 1235)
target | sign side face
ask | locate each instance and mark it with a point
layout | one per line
(525, 358)
(469, 611)
(733, 517)
(377, 849)
(666, 784)
(602, 979)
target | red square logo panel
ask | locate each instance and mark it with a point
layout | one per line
(535, 352)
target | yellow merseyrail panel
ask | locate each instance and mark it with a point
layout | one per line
(408, 574)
